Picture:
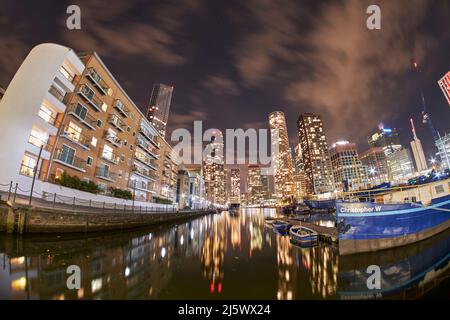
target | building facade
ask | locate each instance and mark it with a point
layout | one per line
(375, 162)
(282, 160)
(348, 171)
(443, 146)
(314, 154)
(444, 84)
(385, 138)
(416, 147)
(401, 166)
(167, 171)
(159, 107)
(235, 186)
(213, 171)
(257, 185)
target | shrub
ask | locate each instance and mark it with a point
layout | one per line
(76, 183)
(161, 200)
(120, 193)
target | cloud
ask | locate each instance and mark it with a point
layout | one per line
(325, 60)
(13, 51)
(219, 84)
(178, 120)
(111, 31)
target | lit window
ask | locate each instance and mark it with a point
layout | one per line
(94, 141)
(74, 131)
(28, 165)
(107, 152)
(104, 107)
(58, 173)
(46, 114)
(66, 73)
(38, 138)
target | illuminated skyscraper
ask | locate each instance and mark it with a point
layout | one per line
(213, 170)
(348, 171)
(400, 165)
(314, 154)
(257, 185)
(299, 174)
(444, 84)
(385, 138)
(375, 161)
(283, 171)
(235, 186)
(416, 146)
(443, 146)
(159, 107)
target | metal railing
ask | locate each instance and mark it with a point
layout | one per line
(17, 196)
(72, 134)
(85, 119)
(89, 95)
(97, 80)
(119, 105)
(57, 93)
(72, 161)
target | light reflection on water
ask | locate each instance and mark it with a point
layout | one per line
(213, 257)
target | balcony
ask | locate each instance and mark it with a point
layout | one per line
(144, 173)
(144, 145)
(89, 95)
(116, 122)
(70, 161)
(57, 93)
(118, 104)
(105, 174)
(76, 137)
(97, 81)
(110, 156)
(147, 135)
(77, 112)
(113, 139)
(146, 161)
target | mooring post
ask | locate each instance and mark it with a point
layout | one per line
(15, 193)
(10, 189)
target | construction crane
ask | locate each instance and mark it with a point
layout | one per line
(426, 117)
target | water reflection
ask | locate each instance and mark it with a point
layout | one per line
(217, 256)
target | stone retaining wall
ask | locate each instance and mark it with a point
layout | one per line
(25, 220)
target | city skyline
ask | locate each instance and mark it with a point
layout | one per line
(209, 88)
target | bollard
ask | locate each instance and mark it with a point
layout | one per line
(54, 199)
(10, 189)
(103, 208)
(15, 193)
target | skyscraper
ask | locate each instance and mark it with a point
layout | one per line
(299, 174)
(213, 170)
(416, 146)
(257, 184)
(283, 171)
(235, 186)
(375, 161)
(159, 107)
(444, 84)
(401, 167)
(348, 171)
(443, 146)
(385, 138)
(314, 154)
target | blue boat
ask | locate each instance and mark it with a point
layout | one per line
(321, 204)
(388, 223)
(303, 235)
(281, 225)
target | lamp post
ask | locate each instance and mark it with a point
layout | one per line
(34, 175)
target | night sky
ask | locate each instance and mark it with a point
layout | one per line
(233, 62)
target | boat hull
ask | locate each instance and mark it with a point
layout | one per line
(367, 227)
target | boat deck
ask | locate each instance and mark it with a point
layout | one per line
(326, 234)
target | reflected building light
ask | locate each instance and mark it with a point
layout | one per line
(17, 261)
(181, 239)
(127, 272)
(96, 285)
(19, 284)
(163, 252)
(80, 293)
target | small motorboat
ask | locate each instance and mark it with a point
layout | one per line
(280, 225)
(303, 235)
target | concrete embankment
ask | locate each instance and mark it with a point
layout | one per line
(23, 220)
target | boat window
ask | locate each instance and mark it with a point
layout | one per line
(439, 189)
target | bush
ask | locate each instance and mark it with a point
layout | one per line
(120, 193)
(76, 183)
(161, 200)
